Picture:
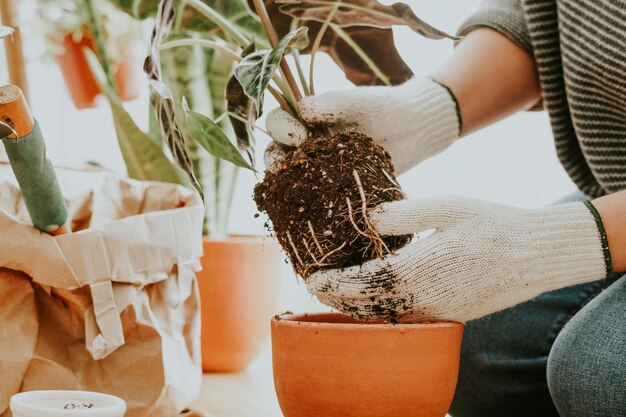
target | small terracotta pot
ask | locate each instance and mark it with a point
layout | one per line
(330, 365)
(80, 80)
(239, 290)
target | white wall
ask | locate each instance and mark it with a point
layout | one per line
(513, 162)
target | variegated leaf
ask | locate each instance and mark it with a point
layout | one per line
(255, 71)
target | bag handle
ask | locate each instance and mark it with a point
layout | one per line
(104, 332)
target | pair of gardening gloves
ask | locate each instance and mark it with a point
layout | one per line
(481, 258)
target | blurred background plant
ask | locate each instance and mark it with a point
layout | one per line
(198, 57)
(198, 51)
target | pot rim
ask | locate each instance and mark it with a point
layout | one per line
(296, 319)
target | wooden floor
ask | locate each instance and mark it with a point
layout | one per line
(247, 394)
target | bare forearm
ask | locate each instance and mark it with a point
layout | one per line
(491, 78)
(612, 209)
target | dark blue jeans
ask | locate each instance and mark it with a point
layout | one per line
(562, 354)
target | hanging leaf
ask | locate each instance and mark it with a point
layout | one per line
(144, 159)
(256, 70)
(209, 135)
(5, 31)
(241, 109)
(361, 13)
(161, 96)
(377, 43)
(143, 155)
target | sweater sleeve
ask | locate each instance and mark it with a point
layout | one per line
(504, 16)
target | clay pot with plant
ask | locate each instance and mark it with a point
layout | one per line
(66, 28)
(189, 114)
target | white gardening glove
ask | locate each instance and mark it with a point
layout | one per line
(482, 258)
(413, 121)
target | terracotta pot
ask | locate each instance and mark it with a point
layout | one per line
(80, 80)
(329, 365)
(239, 290)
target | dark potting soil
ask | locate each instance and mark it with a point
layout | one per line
(316, 205)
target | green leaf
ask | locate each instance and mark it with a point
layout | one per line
(5, 31)
(209, 135)
(161, 96)
(145, 159)
(241, 107)
(255, 71)
(361, 13)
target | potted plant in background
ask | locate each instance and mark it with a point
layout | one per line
(65, 26)
(237, 270)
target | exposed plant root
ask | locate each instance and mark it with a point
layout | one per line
(332, 252)
(319, 201)
(293, 247)
(317, 243)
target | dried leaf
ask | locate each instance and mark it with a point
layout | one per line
(361, 13)
(161, 96)
(5, 31)
(209, 135)
(240, 105)
(255, 71)
(378, 43)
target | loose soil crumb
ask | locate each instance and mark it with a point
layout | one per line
(79, 406)
(318, 202)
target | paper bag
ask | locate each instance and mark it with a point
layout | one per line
(110, 308)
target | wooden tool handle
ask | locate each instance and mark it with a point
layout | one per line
(14, 110)
(33, 171)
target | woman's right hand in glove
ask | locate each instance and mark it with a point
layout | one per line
(413, 121)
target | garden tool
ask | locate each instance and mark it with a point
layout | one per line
(35, 174)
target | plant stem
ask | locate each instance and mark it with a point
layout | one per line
(95, 24)
(361, 53)
(259, 5)
(216, 46)
(296, 58)
(282, 101)
(219, 20)
(200, 42)
(243, 120)
(316, 44)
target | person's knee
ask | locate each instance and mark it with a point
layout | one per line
(584, 378)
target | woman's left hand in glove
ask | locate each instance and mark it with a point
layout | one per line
(481, 258)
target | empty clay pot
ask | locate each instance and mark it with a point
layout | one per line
(329, 365)
(239, 290)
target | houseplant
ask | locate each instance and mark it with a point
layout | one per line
(237, 270)
(65, 26)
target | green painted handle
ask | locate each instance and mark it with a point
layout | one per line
(37, 179)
